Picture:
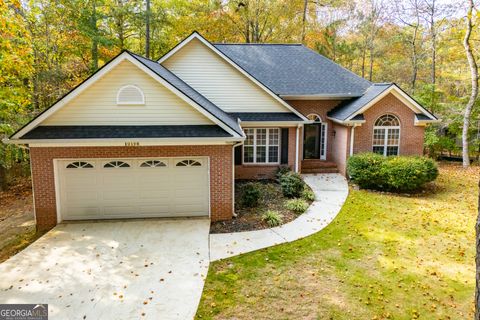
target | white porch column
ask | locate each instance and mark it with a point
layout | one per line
(297, 147)
(352, 139)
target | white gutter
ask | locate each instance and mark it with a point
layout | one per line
(245, 124)
(347, 122)
(123, 141)
(318, 97)
(425, 122)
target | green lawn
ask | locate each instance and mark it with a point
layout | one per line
(384, 257)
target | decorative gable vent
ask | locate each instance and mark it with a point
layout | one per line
(130, 94)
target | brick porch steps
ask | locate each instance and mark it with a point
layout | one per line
(318, 166)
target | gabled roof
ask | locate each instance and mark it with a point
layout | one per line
(190, 92)
(352, 110)
(294, 70)
(162, 75)
(349, 107)
(215, 50)
(112, 132)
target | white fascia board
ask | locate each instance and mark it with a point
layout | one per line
(317, 97)
(400, 95)
(348, 122)
(425, 122)
(246, 124)
(123, 142)
(197, 36)
(87, 83)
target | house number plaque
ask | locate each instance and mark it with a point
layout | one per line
(132, 144)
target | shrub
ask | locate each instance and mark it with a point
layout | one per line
(282, 170)
(251, 194)
(364, 170)
(308, 194)
(272, 218)
(408, 173)
(391, 173)
(292, 185)
(297, 205)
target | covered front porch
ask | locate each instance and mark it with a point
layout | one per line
(316, 147)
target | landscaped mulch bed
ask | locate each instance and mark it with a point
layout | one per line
(249, 219)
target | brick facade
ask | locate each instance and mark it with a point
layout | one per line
(319, 107)
(340, 147)
(221, 184)
(265, 171)
(411, 136)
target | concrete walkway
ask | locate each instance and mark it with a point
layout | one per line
(149, 269)
(331, 191)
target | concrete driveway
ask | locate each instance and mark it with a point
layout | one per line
(149, 269)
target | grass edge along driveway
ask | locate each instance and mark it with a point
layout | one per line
(385, 256)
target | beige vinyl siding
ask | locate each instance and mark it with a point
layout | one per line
(97, 105)
(221, 83)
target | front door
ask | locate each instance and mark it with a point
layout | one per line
(314, 141)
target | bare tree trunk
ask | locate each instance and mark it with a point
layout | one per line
(371, 62)
(304, 20)
(474, 76)
(3, 178)
(364, 58)
(94, 49)
(414, 58)
(433, 70)
(147, 30)
(477, 263)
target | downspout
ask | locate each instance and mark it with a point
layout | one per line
(233, 176)
(297, 147)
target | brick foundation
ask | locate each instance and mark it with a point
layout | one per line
(253, 171)
(221, 184)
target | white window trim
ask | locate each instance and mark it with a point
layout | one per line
(324, 137)
(267, 145)
(132, 103)
(385, 139)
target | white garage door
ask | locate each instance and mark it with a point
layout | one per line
(132, 188)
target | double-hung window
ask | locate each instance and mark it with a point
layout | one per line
(386, 135)
(262, 145)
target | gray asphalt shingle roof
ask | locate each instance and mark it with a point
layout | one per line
(266, 116)
(178, 83)
(106, 132)
(349, 107)
(292, 69)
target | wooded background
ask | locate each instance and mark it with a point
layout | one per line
(49, 46)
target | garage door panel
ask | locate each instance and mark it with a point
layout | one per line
(118, 195)
(76, 213)
(119, 211)
(155, 210)
(189, 209)
(147, 188)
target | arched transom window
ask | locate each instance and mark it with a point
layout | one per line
(79, 164)
(130, 95)
(314, 117)
(152, 164)
(386, 135)
(188, 163)
(116, 164)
